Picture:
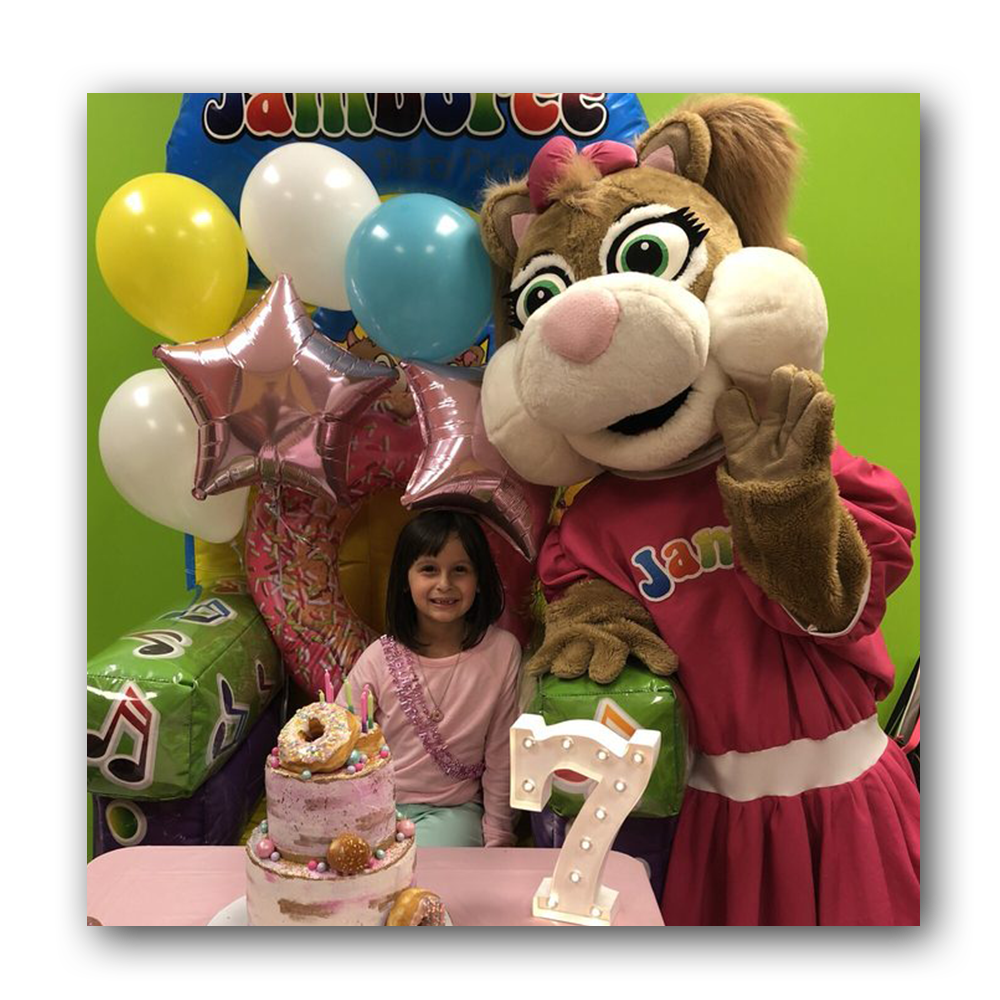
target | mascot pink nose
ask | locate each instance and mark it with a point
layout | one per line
(580, 326)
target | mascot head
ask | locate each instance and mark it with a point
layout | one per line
(636, 284)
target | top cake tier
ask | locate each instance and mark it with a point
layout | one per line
(328, 778)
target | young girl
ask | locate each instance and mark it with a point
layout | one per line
(445, 681)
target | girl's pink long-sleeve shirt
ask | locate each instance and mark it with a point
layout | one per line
(477, 691)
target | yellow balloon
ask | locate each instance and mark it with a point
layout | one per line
(173, 256)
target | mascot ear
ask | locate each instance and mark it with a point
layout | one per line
(503, 221)
(680, 144)
(742, 150)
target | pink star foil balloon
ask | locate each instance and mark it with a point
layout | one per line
(459, 468)
(276, 401)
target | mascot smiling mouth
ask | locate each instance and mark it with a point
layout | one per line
(650, 420)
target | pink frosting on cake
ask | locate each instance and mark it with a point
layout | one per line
(304, 815)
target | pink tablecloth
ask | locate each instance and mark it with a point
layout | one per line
(142, 886)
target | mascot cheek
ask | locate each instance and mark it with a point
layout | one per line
(535, 452)
(766, 309)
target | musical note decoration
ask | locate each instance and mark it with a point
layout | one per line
(621, 768)
(232, 722)
(159, 644)
(211, 612)
(131, 715)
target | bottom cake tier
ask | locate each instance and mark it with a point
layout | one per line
(286, 892)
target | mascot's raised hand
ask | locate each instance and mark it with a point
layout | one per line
(794, 435)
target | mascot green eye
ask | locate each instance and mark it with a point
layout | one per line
(657, 248)
(652, 239)
(543, 287)
(646, 253)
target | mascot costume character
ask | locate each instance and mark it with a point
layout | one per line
(663, 339)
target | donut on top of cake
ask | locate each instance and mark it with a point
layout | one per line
(318, 738)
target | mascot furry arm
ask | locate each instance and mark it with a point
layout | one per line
(794, 538)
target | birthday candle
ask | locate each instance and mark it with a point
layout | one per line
(328, 686)
(371, 709)
(364, 709)
(350, 703)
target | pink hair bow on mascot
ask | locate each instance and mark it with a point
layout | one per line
(664, 338)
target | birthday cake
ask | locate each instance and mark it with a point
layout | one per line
(332, 850)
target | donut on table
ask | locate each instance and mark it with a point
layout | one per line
(417, 908)
(318, 738)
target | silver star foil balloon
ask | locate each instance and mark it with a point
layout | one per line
(276, 401)
(459, 469)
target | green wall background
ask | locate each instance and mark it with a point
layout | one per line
(857, 210)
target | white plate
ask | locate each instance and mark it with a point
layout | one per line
(233, 915)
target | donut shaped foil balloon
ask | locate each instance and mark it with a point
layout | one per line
(293, 555)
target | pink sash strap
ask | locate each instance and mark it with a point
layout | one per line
(404, 678)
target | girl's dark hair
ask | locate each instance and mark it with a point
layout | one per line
(426, 535)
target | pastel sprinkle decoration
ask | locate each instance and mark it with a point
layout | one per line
(265, 848)
(275, 856)
(306, 775)
(313, 865)
(379, 853)
(321, 867)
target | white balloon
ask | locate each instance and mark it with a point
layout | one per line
(148, 440)
(299, 208)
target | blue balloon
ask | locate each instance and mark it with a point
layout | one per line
(418, 279)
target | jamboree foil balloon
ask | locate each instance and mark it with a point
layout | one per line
(418, 279)
(299, 207)
(275, 401)
(173, 256)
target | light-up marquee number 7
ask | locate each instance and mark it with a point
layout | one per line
(621, 768)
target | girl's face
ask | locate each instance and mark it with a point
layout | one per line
(443, 587)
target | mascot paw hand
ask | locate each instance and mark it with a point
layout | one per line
(601, 652)
(793, 435)
(575, 650)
